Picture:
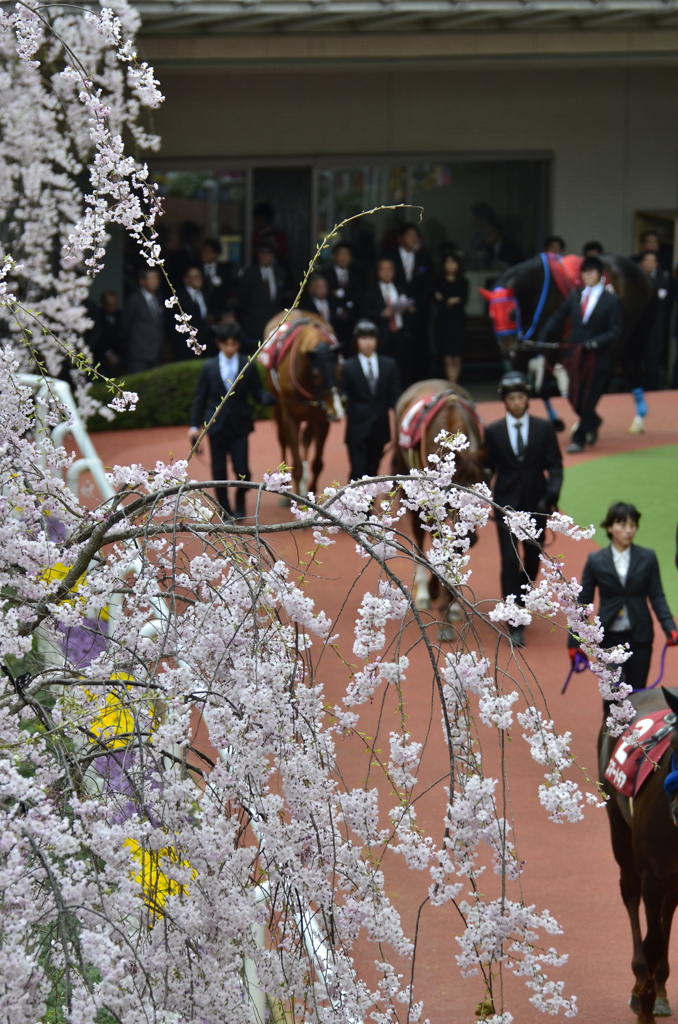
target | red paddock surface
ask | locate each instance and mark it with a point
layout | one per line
(569, 869)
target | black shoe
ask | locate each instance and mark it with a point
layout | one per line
(592, 435)
(516, 636)
(239, 514)
(574, 448)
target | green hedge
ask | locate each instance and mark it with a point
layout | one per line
(165, 398)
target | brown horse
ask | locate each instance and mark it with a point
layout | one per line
(425, 409)
(302, 363)
(645, 843)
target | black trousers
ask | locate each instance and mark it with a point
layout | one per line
(365, 455)
(588, 419)
(636, 670)
(221, 447)
(514, 552)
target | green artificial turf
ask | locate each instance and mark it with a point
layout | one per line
(649, 480)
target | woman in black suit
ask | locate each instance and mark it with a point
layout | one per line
(449, 298)
(627, 577)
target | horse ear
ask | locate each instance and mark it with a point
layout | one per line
(485, 294)
(671, 699)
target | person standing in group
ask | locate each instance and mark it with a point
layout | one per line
(627, 577)
(228, 434)
(527, 470)
(260, 294)
(383, 304)
(192, 301)
(450, 296)
(143, 324)
(346, 290)
(413, 277)
(595, 317)
(371, 385)
(317, 299)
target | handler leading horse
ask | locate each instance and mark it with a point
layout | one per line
(422, 411)
(643, 820)
(301, 359)
(526, 295)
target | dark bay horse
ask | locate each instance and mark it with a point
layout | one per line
(524, 296)
(422, 411)
(644, 831)
(301, 359)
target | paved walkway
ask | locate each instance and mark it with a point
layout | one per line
(569, 868)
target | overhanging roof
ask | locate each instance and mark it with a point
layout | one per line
(207, 17)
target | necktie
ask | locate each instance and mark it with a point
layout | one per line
(520, 444)
(371, 379)
(584, 304)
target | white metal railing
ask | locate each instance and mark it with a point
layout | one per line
(43, 388)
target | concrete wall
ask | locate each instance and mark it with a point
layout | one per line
(612, 132)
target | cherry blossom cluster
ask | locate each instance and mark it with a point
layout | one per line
(71, 84)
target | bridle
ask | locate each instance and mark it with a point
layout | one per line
(306, 398)
(511, 315)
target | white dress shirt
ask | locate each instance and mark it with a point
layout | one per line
(228, 368)
(268, 276)
(199, 300)
(153, 304)
(622, 560)
(323, 308)
(590, 296)
(407, 257)
(370, 362)
(391, 298)
(512, 423)
(342, 280)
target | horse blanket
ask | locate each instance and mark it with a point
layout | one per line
(416, 420)
(632, 763)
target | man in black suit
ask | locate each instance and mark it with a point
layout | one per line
(387, 307)
(527, 468)
(228, 434)
(413, 276)
(595, 317)
(192, 301)
(627, 577)
(371, 385)
(143, 324)
(657, 335)
(346, 290)
(317, 299)
(216, 277)
(260, 291)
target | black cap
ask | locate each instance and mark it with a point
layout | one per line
(514, 381)
(365, 328)
(592, 263)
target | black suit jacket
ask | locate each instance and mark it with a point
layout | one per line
(308, 306)
(603, 327)
(421, 285)
(367, 413)
(352, 293)
(522, 485)
(643, 583)
(256, 305)
(235, 418)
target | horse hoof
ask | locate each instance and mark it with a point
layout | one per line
(422, 604)
(284, 502)
(447, 632)
(661, 1008)
(558, 426)
(454, 613)
(634, 1004)
(638, 425)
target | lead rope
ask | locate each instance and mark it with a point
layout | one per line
(580, 664)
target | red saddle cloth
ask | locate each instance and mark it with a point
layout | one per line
(278, 345)
(416, 420)
(631, 764)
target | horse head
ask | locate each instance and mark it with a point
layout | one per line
(671, 780)
(521, 300)
(324, 363)
(504, 311)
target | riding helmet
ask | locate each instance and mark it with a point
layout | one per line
(365, 328)
(514, 381)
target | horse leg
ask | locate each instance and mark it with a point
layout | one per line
(661, 1003)
(320, 432)
(292, 434)
(629, 883)
(638, 422)
(422, 596)
(654, 947)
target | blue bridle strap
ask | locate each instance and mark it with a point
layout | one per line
(542, 298)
